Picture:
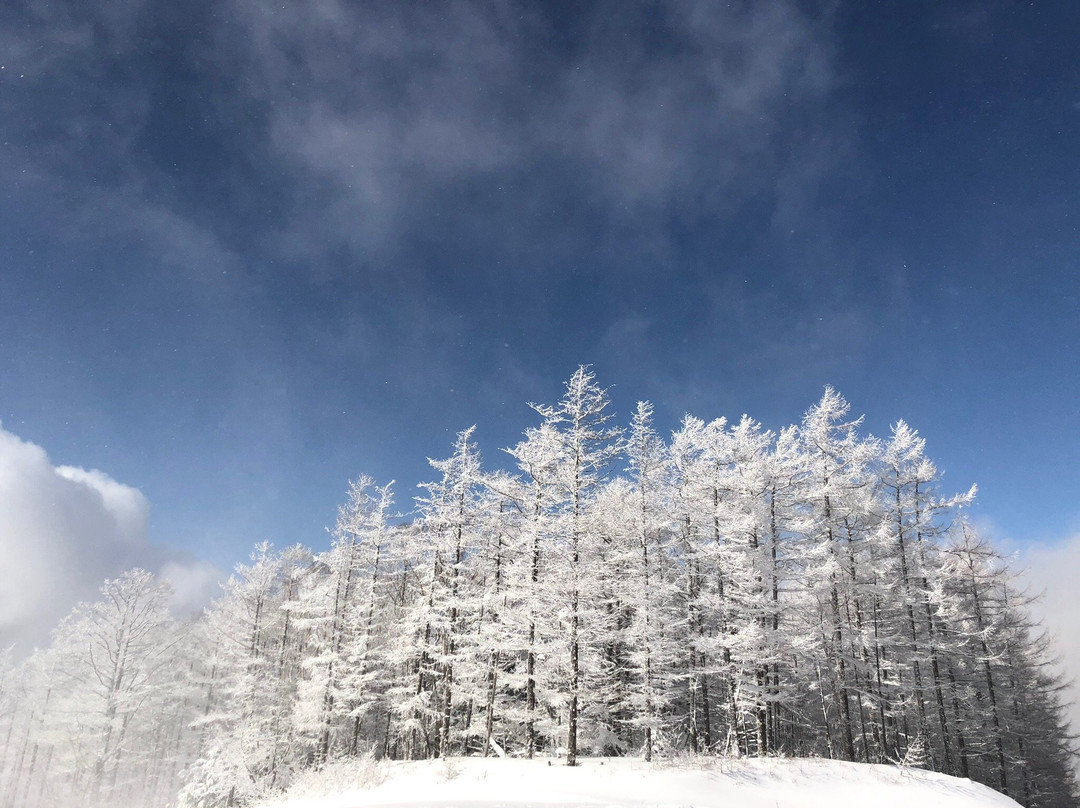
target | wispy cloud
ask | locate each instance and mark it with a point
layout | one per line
(371, 141)
(381, 110)
(321, 197)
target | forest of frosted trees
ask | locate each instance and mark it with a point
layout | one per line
(729, 591)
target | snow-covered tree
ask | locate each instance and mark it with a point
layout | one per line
(92, 713)
(336, 612)
(836, 480)
(736, 590)
(586, 445)
(649, 583)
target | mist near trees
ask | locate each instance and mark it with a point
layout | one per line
(729, 590)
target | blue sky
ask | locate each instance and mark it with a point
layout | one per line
(248, 251)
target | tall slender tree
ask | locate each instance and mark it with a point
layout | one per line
(588, 446)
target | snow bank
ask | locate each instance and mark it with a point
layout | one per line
(697, 782)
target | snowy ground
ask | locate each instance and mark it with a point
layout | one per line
(702, 783)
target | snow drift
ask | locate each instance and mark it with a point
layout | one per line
(697, 782)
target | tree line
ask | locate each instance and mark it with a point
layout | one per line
(730, 591)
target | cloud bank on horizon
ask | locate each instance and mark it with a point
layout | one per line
(1052, 571)
(63, 531)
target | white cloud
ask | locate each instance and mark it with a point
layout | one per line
(63, 530)
(1053, 570)
(194, 583)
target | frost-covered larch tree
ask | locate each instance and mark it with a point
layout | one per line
(96, 702)
(587, 447)
(732, 591)
(836, 479)
(453, 519)
(333, 614)
(649, 584)
(532, 594)
(248, 704)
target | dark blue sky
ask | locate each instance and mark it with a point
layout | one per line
(248, 251)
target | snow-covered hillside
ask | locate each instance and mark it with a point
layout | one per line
(701, 782)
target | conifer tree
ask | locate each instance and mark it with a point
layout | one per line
(735, 590)
(587, 446)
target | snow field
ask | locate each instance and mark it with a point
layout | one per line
(604, 782)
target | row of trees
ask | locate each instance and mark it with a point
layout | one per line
(731, 591)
